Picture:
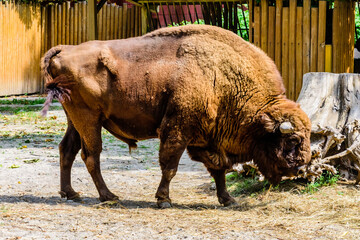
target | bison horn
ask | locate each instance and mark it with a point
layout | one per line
(286, 127)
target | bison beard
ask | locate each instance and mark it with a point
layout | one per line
(199, 88)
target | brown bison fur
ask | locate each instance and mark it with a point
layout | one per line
(199, 88)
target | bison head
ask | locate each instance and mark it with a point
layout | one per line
(282, 141)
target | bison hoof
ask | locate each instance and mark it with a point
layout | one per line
(164, 205)
(231, 203)
(74, 196)
(110, 197)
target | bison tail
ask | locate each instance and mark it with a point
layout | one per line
(45, 62)
(58, 87)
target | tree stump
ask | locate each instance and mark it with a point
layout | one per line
(332, 102)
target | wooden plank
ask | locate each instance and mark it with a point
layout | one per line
(137, 13)
(124, 20)
(56, 25)
(59, 22)
(292, 48)
(120, 22)
(91, 20)
(112, 20)
(72, 24)
(336, 58)
(321, 36)
(264, 24)
(299, 51)
(132, 21)
(76, 23)
(100, 23)
(251, 14)
(128, 27)
(306, 36)
(116, 23)
(63, 23)
(108, 21)
(285, 48)
(271, 33)
(314, 39)
(257, 26)
(328, 58)
(67, 23)
(352, 35)
(80, 26)
(278, 33)
(84, 14)
(143, 21)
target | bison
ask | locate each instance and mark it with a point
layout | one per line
(199, 88)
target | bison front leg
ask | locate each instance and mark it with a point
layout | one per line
(221, 191)
(172, 146)
(69, 147)
(202, 155)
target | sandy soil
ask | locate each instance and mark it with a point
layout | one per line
(31, 208)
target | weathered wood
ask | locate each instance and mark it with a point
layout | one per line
(257, 28)
(91, 20)
(285, 48)
(335, 38)
(314, 41)
(292, 48)
(278, 34)
(271, 33)
(306, 36)
(321, 36)
(264, 25)
(333, 105)
(299, 51)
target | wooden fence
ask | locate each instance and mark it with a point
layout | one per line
(295, 35)
(20, 45)
(27, 31)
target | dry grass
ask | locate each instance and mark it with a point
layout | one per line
(30, 207)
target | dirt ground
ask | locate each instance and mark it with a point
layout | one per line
(31, 208)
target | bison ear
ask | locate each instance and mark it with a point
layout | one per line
(267, 122)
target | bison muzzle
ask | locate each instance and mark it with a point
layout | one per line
(199, 88)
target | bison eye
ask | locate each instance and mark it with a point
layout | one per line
(292, 142)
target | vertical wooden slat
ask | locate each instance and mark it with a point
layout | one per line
(56, 31)
(128, 28)
(314, 39)
(306, 36)
(100, 21)
(120, 22)
(43, 25)
(257, 26)
(251, 11)
(131, 22)
(335, 37)
(143, 21)
(278, 33)
(63, 23)
(59, 21)
(285, 48)
(299, 51)
(352, 35)
(80, 26)
(116, 23)
(271, 33)
(76, 23)
(84, 14)
(321, 36)
(264, 24)
(292, 48)
(91, 20)
(72, 24)
(112, 21)
(108, 21)
(67, 23)
(137, 13)
(124, 20)
(328, 58)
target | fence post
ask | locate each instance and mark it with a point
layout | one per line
(91, 20)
